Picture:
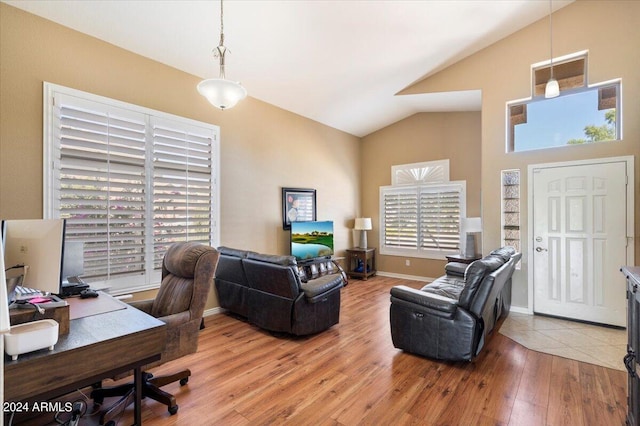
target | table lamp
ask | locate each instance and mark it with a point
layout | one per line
(363, 224)
(472, 225)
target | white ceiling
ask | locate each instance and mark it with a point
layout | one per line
(337, 62)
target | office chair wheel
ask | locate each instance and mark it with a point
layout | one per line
(173, 410)
(184, 381)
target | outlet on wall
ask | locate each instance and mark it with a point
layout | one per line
(407, 262)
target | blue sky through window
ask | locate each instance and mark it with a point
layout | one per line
(553, 122)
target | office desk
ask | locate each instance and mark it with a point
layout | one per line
(97, 347)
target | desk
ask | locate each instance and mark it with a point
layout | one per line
(97, 347)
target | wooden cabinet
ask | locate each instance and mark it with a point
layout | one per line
(361, 263)
(632, 359)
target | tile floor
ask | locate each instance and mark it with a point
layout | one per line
(574, 340)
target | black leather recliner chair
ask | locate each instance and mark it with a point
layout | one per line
(450, 318)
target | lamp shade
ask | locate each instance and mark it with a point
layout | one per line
(552, 89)
(222, 93)
(363, 224)
(473, 224)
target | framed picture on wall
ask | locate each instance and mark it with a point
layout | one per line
(298, 205)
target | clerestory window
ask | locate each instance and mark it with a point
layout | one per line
(582, 114)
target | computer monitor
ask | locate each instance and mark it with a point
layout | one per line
(72, 260)
(38, 244)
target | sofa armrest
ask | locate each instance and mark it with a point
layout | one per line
(316, 289)
(455, 268)
(428, 300)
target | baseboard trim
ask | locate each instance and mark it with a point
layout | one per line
(213, 311)
(404, 276)
(520, 310)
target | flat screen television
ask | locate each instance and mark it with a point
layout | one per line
(311, 240)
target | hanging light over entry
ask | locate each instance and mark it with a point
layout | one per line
(552, 89)
(220, 92)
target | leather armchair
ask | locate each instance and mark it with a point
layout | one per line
(188, 270)
(450, 318)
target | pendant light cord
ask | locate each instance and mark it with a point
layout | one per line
(221, 50)
(551, 37)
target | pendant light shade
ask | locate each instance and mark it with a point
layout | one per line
(220, 92)
(552, 88)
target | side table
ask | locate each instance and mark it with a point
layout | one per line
(361, 262)
(462, 258)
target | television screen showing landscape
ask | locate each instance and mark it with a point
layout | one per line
(310, 240)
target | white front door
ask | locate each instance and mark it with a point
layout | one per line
(579, 241)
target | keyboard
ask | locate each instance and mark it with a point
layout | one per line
(24, 293)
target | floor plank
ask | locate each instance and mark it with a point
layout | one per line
(351, 374)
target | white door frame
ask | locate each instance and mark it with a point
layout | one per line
(629, 160)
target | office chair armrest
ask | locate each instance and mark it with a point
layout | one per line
(143, 305)
(175, 320)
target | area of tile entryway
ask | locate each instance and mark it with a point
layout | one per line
(569, 339)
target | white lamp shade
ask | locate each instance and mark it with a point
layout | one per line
(363, 224)
(473, 224)
(552, 89)
(222, 93)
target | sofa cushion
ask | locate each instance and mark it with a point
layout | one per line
(447, 286)
(271, 258)
(474, 276)
(228, 251)
(504, 253)
(455, 268)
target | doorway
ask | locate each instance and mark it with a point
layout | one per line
(581, 228)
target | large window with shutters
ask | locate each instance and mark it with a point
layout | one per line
(129, 181)
(421, 216)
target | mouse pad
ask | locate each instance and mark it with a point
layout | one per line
(80, 308)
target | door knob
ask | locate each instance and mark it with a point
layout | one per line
(539, 249)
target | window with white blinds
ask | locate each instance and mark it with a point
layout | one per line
(422, 220)
(130, 181)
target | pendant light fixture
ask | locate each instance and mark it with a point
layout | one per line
(552, 89)
(220, 92)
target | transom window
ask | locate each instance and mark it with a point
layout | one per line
(582, 114)
(129, 181)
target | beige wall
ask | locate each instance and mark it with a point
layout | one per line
(263, 148)
(502, 72)
(421, 137)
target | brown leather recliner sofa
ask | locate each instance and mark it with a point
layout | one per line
(274, 293)
(450, 318)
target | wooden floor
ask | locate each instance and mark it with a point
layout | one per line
(351, 374)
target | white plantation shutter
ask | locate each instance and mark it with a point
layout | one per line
(400, 219)
(422, 220)
(182, 185)
(129, 181)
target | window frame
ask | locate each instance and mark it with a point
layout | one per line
(150, 278)
(417, 251)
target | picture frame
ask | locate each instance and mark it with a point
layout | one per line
(298, 205)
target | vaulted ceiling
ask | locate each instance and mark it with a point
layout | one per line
(340, 63)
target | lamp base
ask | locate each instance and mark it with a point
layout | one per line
(470, 248)
(363, 239)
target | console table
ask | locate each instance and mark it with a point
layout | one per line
(632, 359)
(463, 259)
(97, 347)
(361, 262)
